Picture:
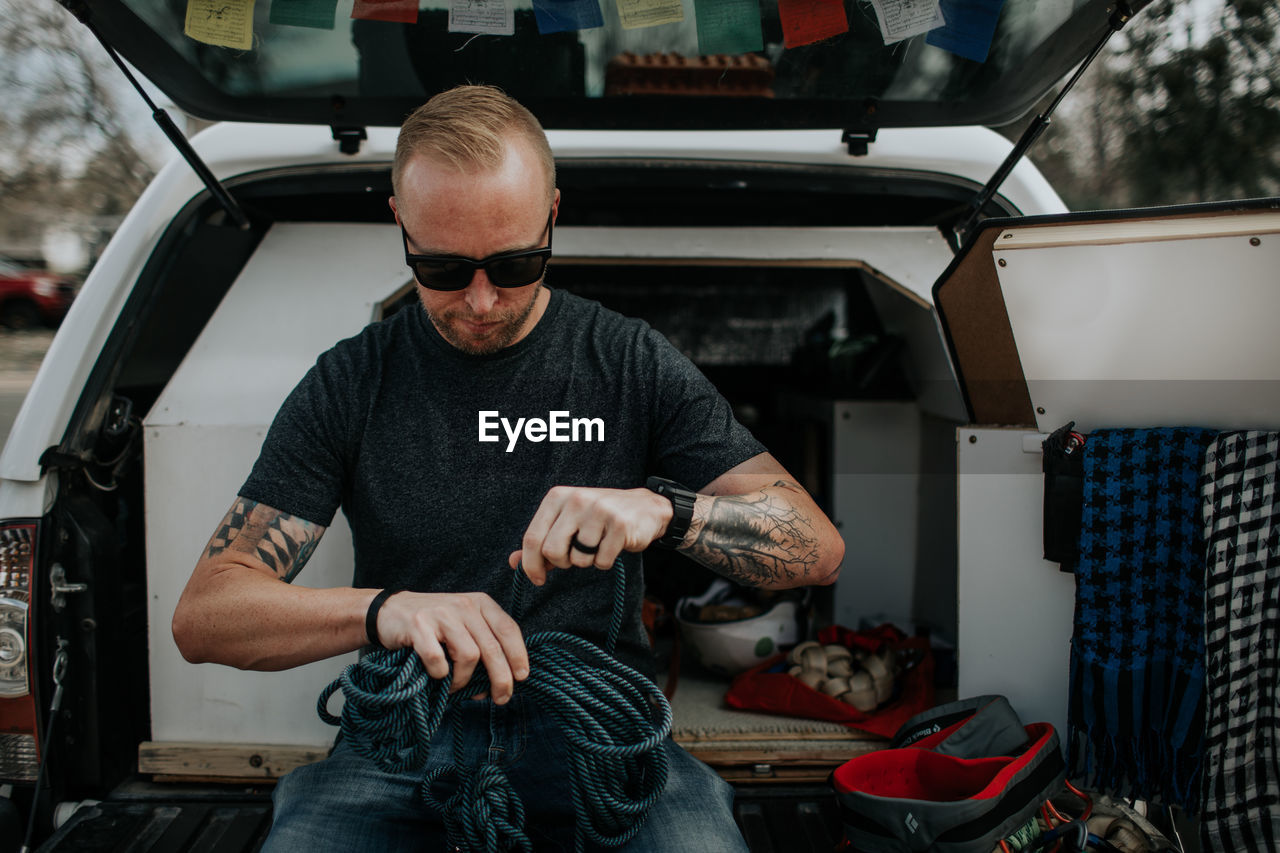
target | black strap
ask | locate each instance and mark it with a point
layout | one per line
(371, 616)
(1063, 496)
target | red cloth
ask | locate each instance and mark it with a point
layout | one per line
(757, 689)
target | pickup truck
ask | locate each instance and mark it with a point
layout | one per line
(896, 306)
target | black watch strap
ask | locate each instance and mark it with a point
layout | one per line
(682, 501)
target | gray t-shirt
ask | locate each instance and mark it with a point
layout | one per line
(424, 449)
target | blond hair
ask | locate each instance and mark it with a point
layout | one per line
(469, 128)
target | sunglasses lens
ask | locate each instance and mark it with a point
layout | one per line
(516, 272)
(443, 275)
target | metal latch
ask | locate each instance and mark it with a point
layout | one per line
(858, 141)
(349, 138)
(59, 588)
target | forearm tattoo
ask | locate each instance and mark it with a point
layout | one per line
(283, 542)
(755, 539)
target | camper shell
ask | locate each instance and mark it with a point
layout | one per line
(799, 248)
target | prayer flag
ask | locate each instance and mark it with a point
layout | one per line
(554, 16)
(399, 11)
(901, 19)
(728, 26)
(317, 14)
(808, 21)
(495, 17)
(649, 13)
(970, 27)
(225, 23)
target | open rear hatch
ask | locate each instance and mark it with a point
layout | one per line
(307, 62)
(1162, 317)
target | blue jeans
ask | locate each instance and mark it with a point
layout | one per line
(348, 803)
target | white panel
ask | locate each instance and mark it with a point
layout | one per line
(875, 504)
(186, 497)
(1015, 607)
(1147, 324)
(307, 286)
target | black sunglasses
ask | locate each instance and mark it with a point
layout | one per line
(505, 269)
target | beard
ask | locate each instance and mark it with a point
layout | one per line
(506, 325)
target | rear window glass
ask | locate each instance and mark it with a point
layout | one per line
(665, 72)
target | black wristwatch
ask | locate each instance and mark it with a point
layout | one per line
(682, 501)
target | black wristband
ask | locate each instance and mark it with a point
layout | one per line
(371, 616)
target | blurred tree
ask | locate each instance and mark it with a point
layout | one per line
(1200, 113)
(67, 157)
(1184, 107)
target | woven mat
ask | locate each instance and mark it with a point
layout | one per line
(699, 713)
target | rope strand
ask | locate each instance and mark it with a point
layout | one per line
(614, 720)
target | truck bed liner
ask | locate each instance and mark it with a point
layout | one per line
(773, 820)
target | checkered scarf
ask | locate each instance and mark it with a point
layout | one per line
(1135, 717)
(1241, 795)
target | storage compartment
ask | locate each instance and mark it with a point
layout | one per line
(820, 353)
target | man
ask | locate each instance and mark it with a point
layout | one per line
(409, 428)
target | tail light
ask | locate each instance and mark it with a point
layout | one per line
(18, 747)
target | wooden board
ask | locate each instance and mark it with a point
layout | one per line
(223, 762)
(774, 775)
(816, 755)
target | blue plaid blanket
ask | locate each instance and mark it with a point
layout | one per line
(1136, 714)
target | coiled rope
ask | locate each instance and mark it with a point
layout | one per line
(614, 719)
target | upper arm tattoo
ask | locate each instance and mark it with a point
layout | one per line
(283, 542)
(755, 539)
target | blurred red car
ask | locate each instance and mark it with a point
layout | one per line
(30, 298)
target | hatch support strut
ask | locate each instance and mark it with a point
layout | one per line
(81, 10)
(957, 237)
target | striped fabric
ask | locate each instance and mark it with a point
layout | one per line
(1241, 512)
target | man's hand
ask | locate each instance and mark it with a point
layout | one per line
(583, 527)
(467, 628)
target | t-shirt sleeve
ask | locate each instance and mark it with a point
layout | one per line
(301, 468)
(696, 437)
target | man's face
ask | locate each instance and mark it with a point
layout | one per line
(475, 215)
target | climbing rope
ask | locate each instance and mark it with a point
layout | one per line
(614, 719)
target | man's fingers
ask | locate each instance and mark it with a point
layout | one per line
(461, 631)
(585, 543)
(494, 658)
(611, 546)
(464, 653)
(557, 544)
(535, 566)
(433, 657)
(509, 648)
